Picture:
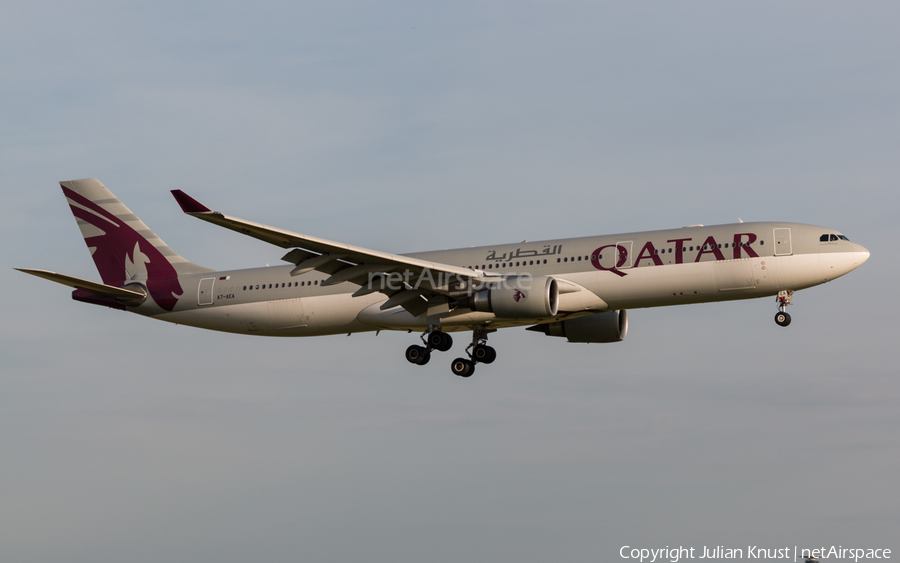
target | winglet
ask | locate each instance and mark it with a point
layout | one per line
(189, 204)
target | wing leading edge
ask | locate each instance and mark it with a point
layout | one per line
(345, 262)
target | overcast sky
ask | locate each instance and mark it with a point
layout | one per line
(413, 126)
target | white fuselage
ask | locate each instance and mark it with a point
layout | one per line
(633, 270)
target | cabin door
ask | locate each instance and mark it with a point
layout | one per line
(205, 291)
(783, 242)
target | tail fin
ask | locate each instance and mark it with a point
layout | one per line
(123, 248)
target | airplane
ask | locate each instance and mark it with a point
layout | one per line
(577, 288)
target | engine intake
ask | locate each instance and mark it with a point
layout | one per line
(611, 326)
(518, 297)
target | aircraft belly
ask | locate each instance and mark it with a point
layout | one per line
(398, 318)
(308, 316)
(336, 314)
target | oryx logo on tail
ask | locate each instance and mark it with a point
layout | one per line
(120, 243)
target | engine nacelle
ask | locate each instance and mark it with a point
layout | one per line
(611, 326)
(519, 297)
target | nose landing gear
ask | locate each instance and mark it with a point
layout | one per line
(782, 318)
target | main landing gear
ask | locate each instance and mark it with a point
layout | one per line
(478, 351)
(782, 318)
(433, 340)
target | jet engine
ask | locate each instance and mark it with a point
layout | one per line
(611, 326)
(518, 297)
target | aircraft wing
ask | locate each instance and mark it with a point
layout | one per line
(345, 262)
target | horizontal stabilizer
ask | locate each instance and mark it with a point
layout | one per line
(127, 296)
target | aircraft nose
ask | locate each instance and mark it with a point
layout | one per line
(861, 254)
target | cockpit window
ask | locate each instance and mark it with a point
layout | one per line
(834, 237)
(842, 237)
(823, 238)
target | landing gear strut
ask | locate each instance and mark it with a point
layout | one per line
(782, 318)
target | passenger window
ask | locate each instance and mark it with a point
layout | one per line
(579, 258)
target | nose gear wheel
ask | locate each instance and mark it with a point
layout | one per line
(782, 318)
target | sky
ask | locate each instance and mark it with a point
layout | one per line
(408, 126)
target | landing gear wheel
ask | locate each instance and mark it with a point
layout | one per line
(418, 355)
(782, 318)
(462, 367)
(440, 341)
(484, 354)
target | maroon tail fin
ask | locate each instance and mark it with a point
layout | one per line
(124, 249)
